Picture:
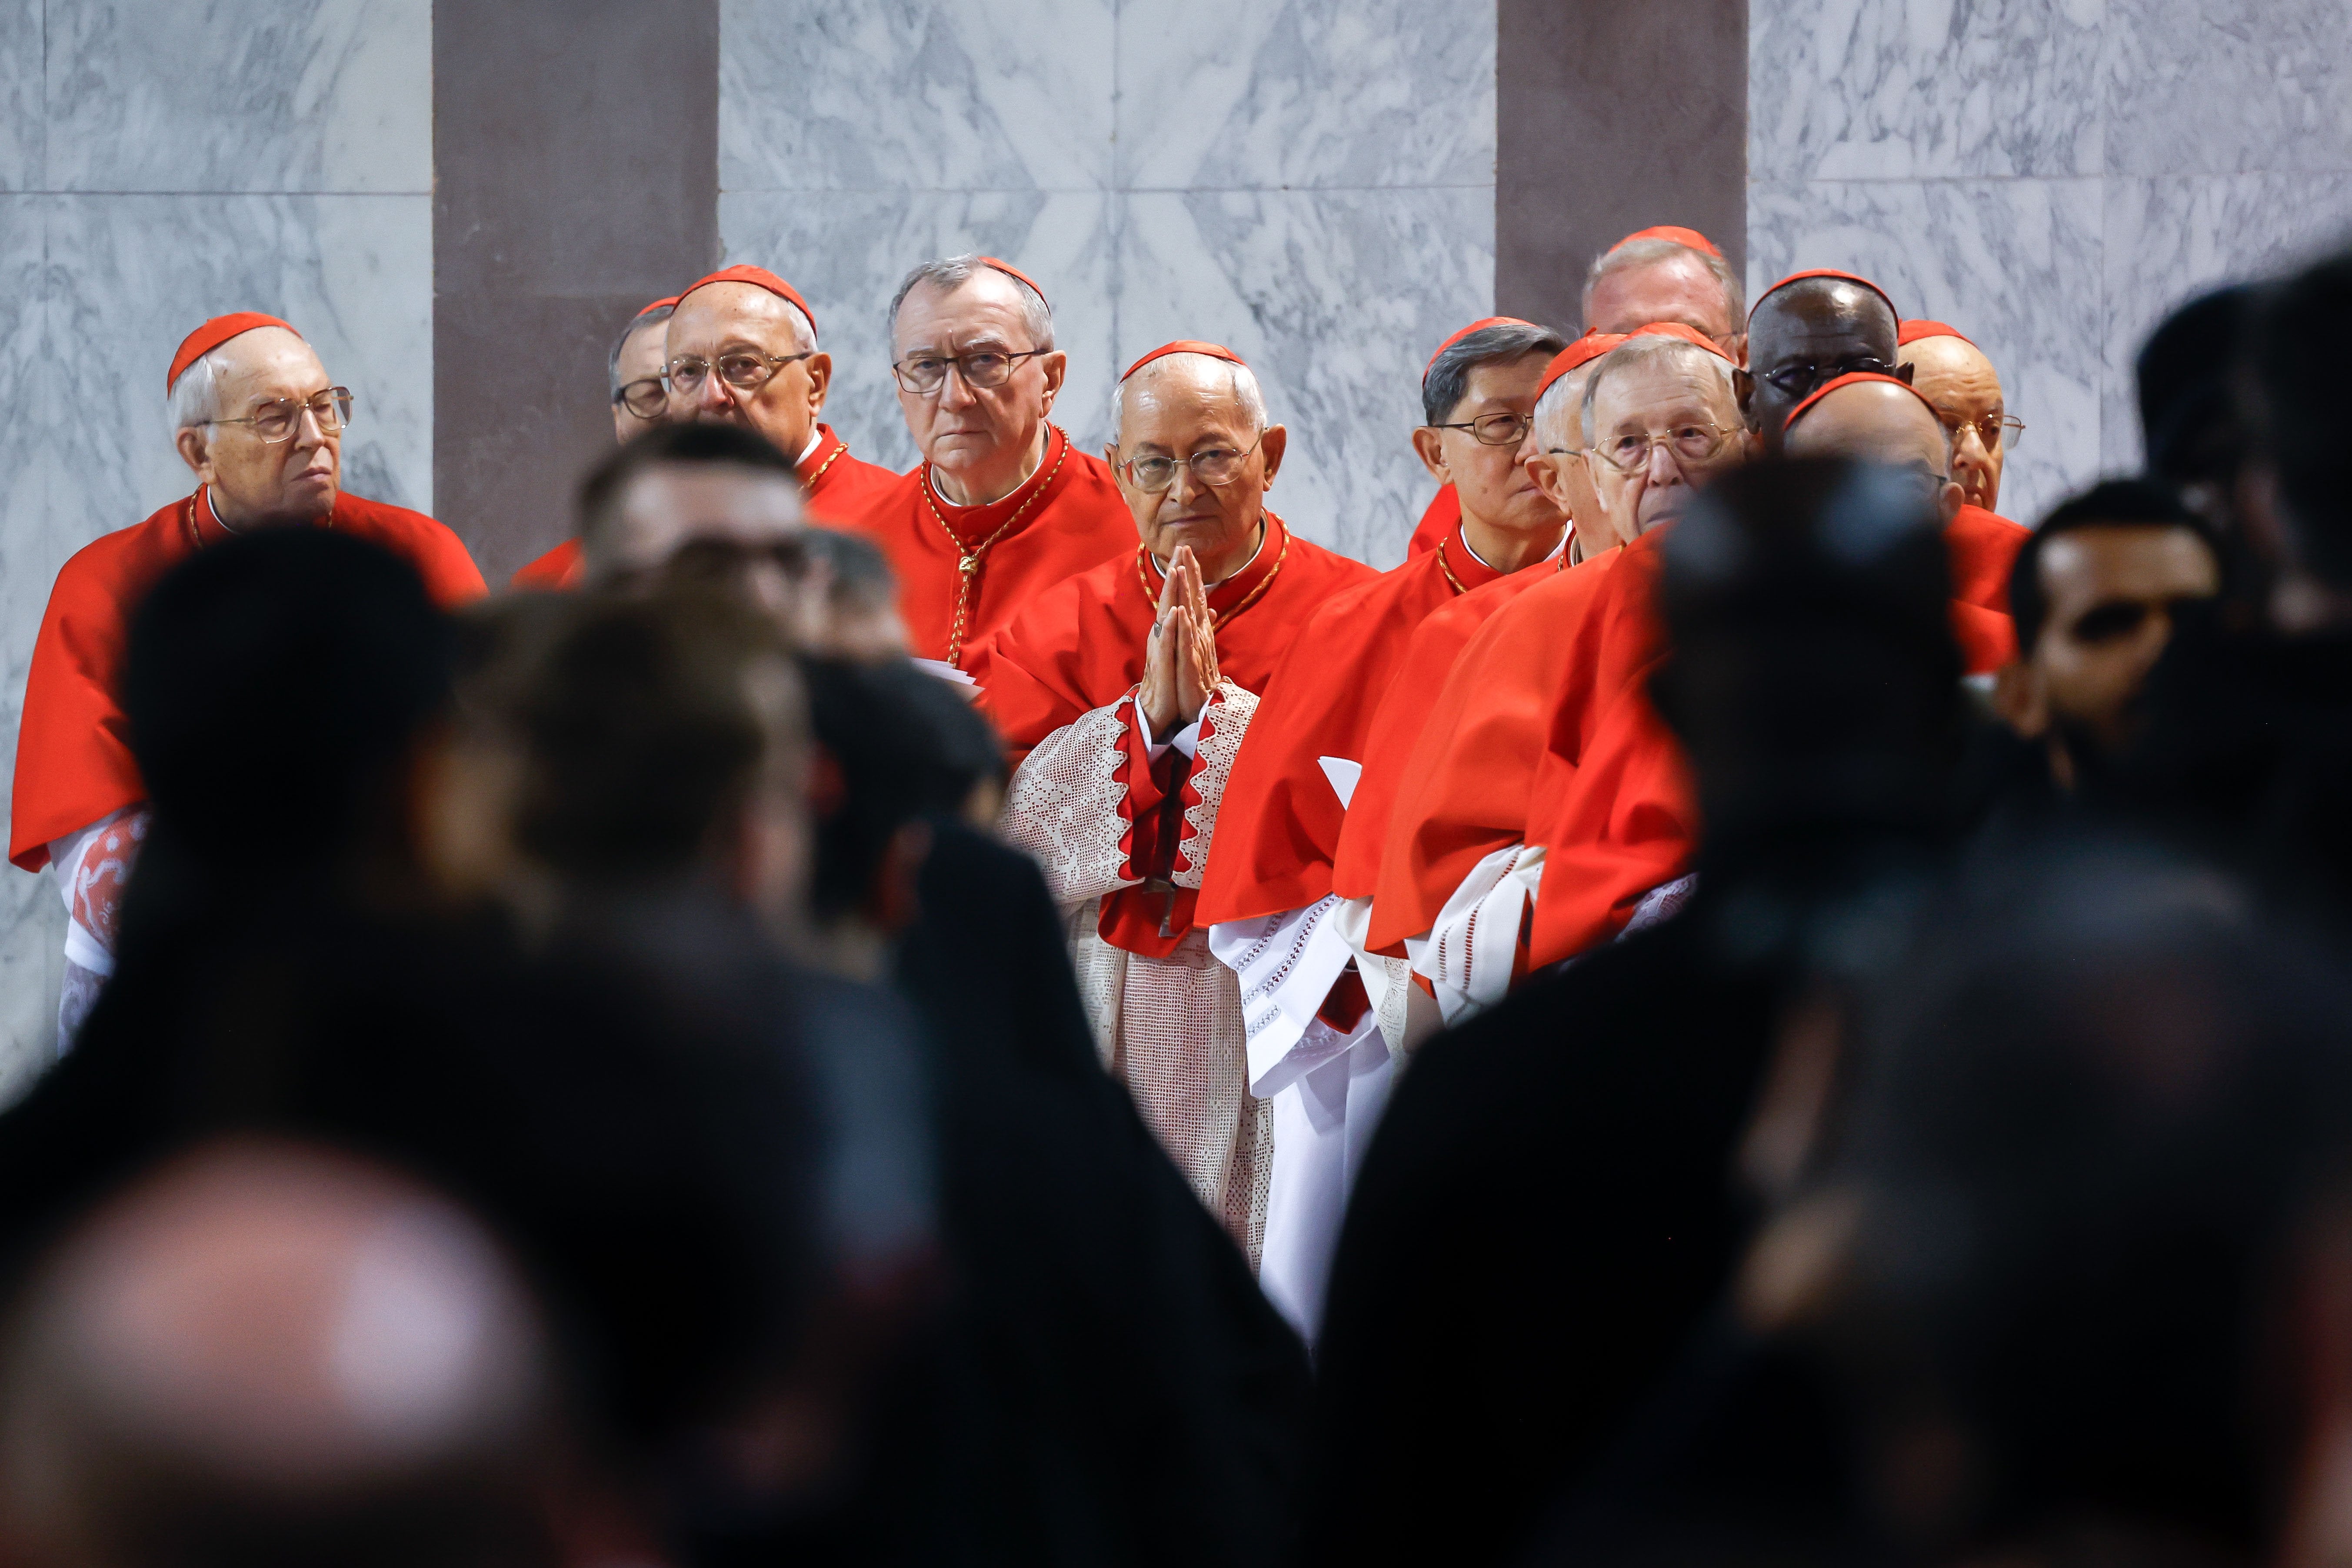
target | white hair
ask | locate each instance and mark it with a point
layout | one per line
(195, 396)
(949, 273)
(1649, 252)
(1559, 409)
(1243, 384)
(1638, 350)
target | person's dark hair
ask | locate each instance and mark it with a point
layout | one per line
(2111, 503)
(2301, 337)
(2189, 419)
(1814, 681)
(272, 686)
(1443, 389)
(861, 573)
(2096, 1108)
(897, 744)
(640, 730)
(687, 444)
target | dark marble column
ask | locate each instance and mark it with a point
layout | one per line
(575, 153)
(1611, 118)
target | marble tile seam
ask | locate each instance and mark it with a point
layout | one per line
(1023, 190)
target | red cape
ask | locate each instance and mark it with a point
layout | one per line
(1397, 722)
(1984, 545)
(73, 753)
(1279, 824)
(1071, 518)
(1080, 645)
(841, 490)
(1441, 519)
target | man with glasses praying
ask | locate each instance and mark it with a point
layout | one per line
(1002, 506)
(639, 387)
(256, 417)
(1123, 695)
(1316, 1044)
(1460, 864)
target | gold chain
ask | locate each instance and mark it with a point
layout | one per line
(1448, 570)
(967, 567)
(831, 457)
(1217, 617)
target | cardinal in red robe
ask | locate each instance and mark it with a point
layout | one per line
(1124, 695)
(1319, 1053)
(1003, 507)
(637, 370)
(257, 420)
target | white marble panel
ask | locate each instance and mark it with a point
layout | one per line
(2014, 264)
(848, 250)
(2167, 240)
(23, 131)
(942, 95)
(2225, 87)
(1250, 94)
(262, 95)
(1336, 299)
(1855, 89)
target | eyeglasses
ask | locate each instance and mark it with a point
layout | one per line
(278, 419)
(1494, 429)
(1994, 430)
(1802, 380)
(648, 398)
(1692, 443)
(1218, 466)
(745, 370)
(926, 373)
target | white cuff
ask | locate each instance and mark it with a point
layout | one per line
(1186, 739)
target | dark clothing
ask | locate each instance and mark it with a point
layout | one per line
(1548, 1210)
(1119, 1392)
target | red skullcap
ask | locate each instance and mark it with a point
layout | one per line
(1689, 239)
(1576, 356)
(1011, 271)
(1912, 331)
(1823, 272)
(1853, 377)
(758, 277)
(1479, 325)
(1187, 346)
(1686, 333)
(211, 335)
(670, 303)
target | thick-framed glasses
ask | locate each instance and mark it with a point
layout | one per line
(1803, 380)
(647, 397)
(1690, 443)
(926, 374)
(1995, 430)
(1494, 429)
(1218, 467)
(745, 370)
(278, 419)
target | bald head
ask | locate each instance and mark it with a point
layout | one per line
(1803, 335)
(1189, 413)
(1872, 422)
(1646, 280)
(1955, 375)
(263, 1347)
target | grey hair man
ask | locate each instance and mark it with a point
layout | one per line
(1661, 419)
(637, 370)
(1002, 506)
(1666, 274)
(1478, 405)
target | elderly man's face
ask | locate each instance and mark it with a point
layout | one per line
(642, 354)
(1492, 481)
(1805, 336)
(256, 481)
(2111, 593)
(967, 432)
(1554, 454)
(1661, 429)
(1675, 289)
(743, 324)
(1185, 409)
(1872, 422)
(1966, 390)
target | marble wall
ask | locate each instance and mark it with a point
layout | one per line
(161, 161)
(1310, 181)
(2051, 176)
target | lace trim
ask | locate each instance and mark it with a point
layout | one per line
(1067, 806)
(1223, 724)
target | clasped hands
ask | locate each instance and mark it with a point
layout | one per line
(1180, 666)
